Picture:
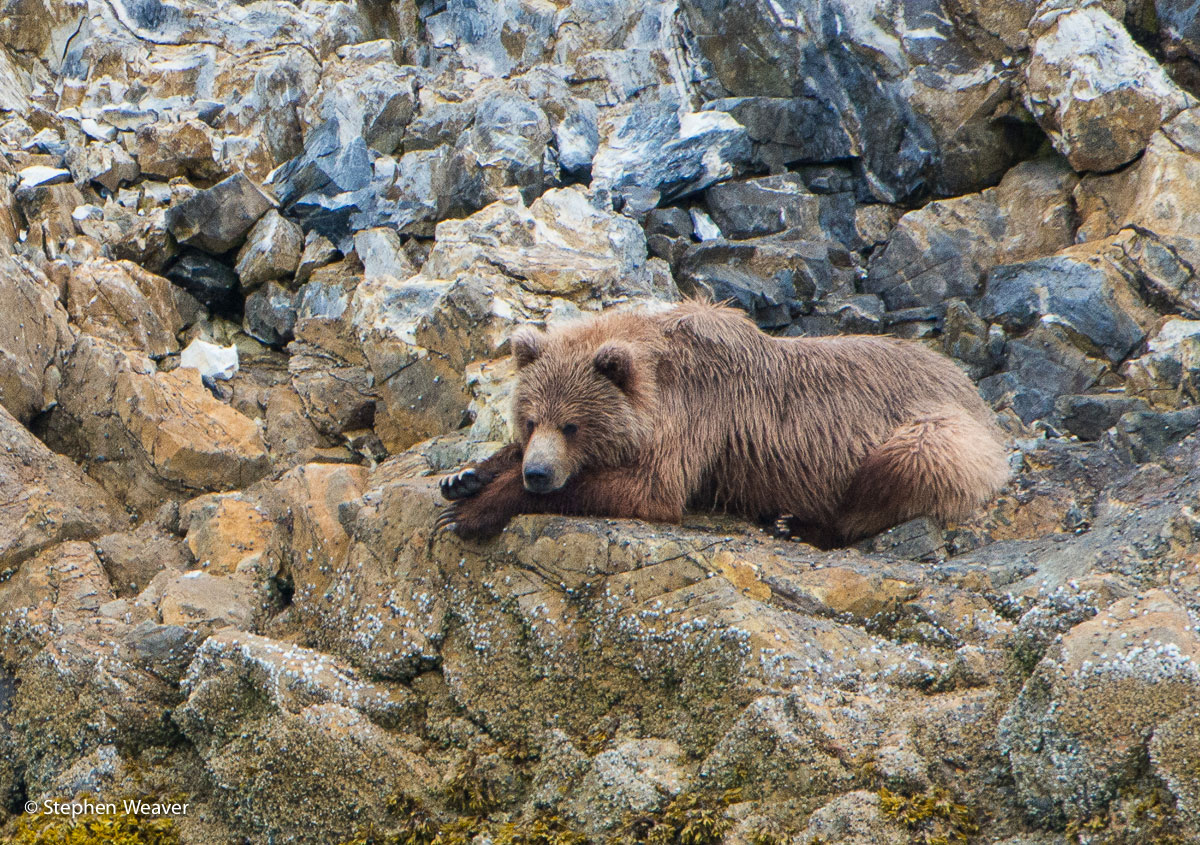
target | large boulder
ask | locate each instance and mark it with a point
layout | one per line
(1080, 729)
(34, 336)
(945, 249)
(47, 499)
(148, 435)
(1099, 96)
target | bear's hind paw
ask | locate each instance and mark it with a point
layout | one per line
(463, 485)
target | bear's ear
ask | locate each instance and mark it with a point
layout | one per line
(614, 361)
(526, 346)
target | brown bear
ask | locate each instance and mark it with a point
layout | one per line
(646, 414)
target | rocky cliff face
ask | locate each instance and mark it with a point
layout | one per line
(259, 263)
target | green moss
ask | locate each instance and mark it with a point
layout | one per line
(93, 829)
(1142, 814)
(692, 818)
(543, 830)
(932, 818)
(469, 791)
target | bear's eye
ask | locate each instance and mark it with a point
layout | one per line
(530, 425)
(569, 429)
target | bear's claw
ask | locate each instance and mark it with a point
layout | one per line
(784, 528)
(445, 521)
(463, 485)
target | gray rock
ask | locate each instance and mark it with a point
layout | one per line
(210, 281)
(945, 249)
(1146, 435)
(1040, 367)
(272, 251)
(270, 314)
(318, 252)
(1088, 416)
(789, 130)
(773, 278)
(649, 145)
(765, 206)
(1092, 299)
(217, 220)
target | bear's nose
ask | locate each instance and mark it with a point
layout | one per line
(538, 478)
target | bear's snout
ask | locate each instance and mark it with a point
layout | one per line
(539, 478)
(546, 461)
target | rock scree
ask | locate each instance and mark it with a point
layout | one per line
(222, 598)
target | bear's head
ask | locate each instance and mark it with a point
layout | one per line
(581, 402)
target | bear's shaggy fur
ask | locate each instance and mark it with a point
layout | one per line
(639, 414)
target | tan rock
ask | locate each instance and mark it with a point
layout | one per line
(230, 534)
(148, 435)
(167, 150)
(56, 592)
(197, 599)
(132, 558)
(46, 499)
(34, 336)
(1099, 96)
(122, 303)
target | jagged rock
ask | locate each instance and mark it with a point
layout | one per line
(48, 209)
(108, 166)
(271, 314)
(1045, 363)
(376, 98)
(304, 713)
(650, 145)
(808, 92)
(326, 363)
(167, 150)
(217, 220)
(1099, 96)
(47, 498)
(945, 249)
(34, 335)
(1146, 435)
(418, 334)
(1168, 374)
(122, 303)
(131, 559)
(971, 341)
(149, 436)
(382, 254)
(271, 252)
(231, 533)
(1089, 416)
(773, 204)
(1079, 288)
(1080, 727)
(772, 278)
(318, 252)
(209, 280)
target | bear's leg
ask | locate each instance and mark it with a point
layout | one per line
(473, 479)
(623, 492)
(943, 465)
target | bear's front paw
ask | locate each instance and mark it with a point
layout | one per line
(469, 521)
(463, 485)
